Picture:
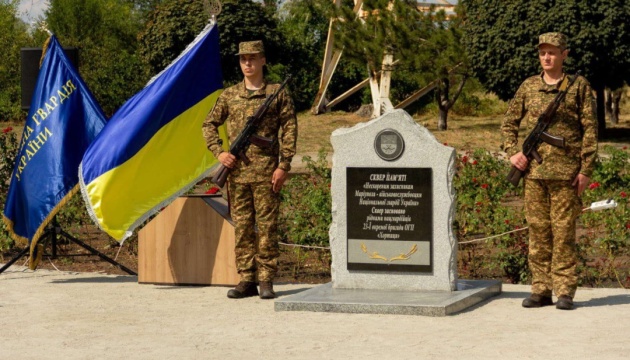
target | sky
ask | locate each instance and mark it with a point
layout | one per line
(30, 10)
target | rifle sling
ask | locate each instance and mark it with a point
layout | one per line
(564, 84)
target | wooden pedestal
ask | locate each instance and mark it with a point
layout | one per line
(188, 243)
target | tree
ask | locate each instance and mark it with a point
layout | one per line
(175, 23)
(445, 43)
(105, 31)
(425, 46)
(501, 38)
(612, 103)
(13, 36)
(303, 25)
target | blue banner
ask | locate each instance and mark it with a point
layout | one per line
(63, 120)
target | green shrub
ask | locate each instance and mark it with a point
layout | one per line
(482, 190)
(305, 211)
(477, 101)
(605, 247)
(8, 152)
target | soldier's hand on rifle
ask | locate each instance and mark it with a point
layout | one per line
(228, 160)
(580, 183)
(277, 179)
(519, 161)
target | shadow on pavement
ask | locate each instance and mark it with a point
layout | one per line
(503, 295)
(290, 292)
(102, 280)
(622, 299)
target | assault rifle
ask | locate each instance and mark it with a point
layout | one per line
(539, 134)
(248, 136)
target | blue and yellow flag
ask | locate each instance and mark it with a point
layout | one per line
(152, 149)
(63, 120)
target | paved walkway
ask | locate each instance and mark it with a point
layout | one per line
(61, 315)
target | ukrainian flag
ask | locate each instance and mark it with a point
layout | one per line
(62, 121)
(152, 149)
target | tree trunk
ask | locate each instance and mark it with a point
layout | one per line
(616, 99)
(443, 103)
(601, 112)
(608, 103)
(443, 118)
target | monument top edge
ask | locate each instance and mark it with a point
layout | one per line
(385, 121)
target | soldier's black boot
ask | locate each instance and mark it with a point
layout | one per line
(564, 303)
(266, 290)
(242, 290)
(536, 301)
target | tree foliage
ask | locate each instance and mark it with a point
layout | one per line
(365, 36)
(304, 28)
(175, 23)
(426, 45)
(105, 32)
(13, 36)
(501, 38)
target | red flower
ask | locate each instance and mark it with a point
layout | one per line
(484, 186)
(517, 227)
(465, 159)
(478, 210)
(507, 221)
(475, 162)
(478, 203)
(594, 185)
(623, 194)
(474, 180)
(445, 144)
(7, 129)
(624, 148)
(628, 225)
(212, 190)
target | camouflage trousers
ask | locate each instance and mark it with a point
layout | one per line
(551, 209)
(255, 203)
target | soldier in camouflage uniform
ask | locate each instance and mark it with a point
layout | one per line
(553, 188)
(254, 188)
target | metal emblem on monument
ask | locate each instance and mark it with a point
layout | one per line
(389, 144)
(213, 8)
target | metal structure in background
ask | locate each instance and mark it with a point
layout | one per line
(51, 235)
(379, 90)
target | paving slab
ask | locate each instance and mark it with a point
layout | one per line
(64, 315)
(325, 298)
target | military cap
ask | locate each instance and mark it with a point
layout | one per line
(553, 38)
(251, 47)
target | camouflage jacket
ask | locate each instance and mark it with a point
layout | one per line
(234, 105)
(574, 120)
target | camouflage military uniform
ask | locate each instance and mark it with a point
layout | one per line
(252, 200)
(551, 202)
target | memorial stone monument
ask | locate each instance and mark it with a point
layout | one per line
(392, 242)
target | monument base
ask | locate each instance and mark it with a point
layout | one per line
(324, 298)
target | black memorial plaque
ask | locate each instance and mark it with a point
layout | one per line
(387, 206)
